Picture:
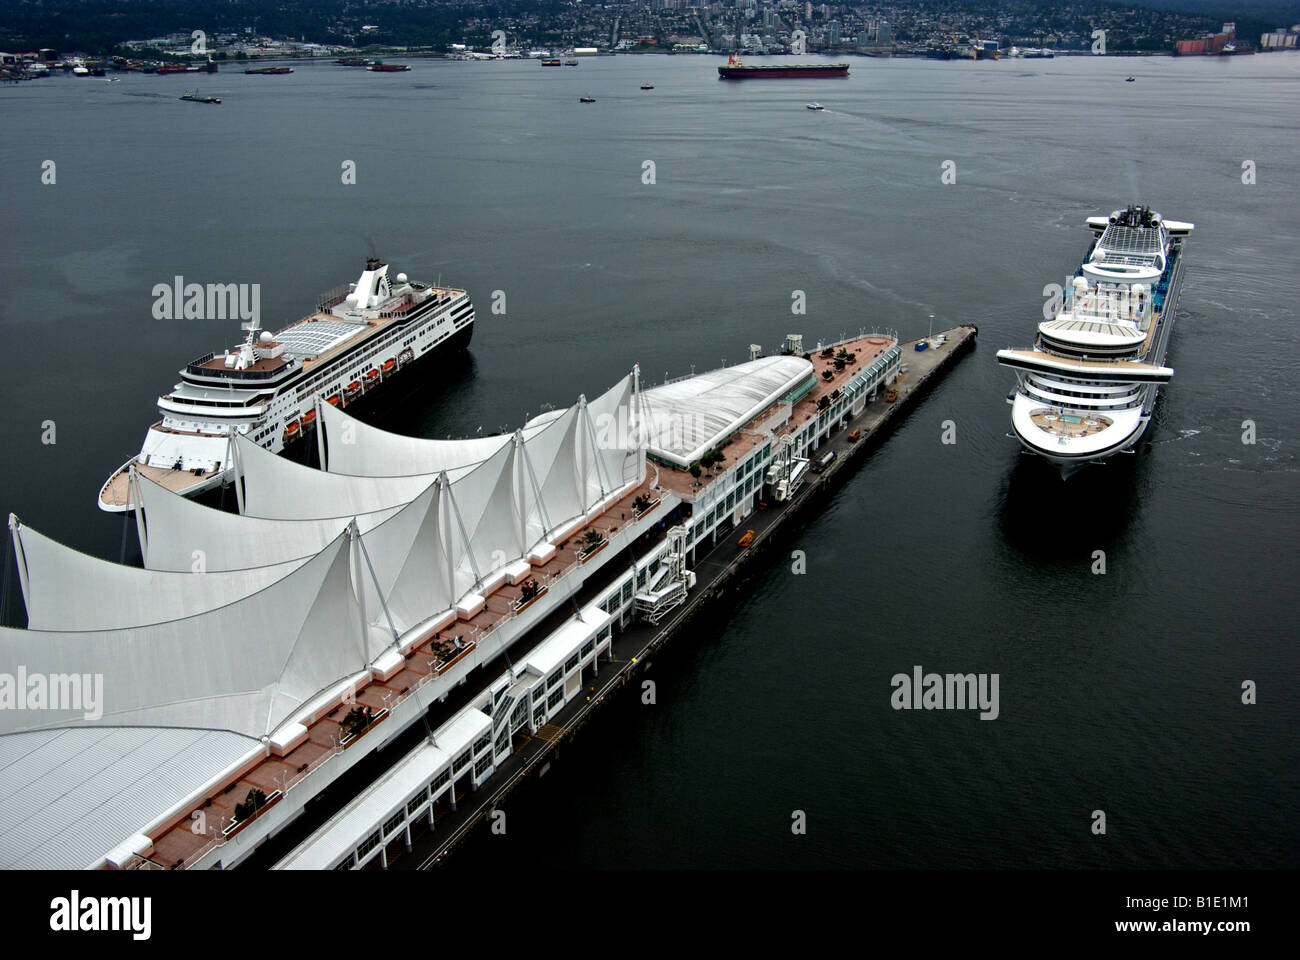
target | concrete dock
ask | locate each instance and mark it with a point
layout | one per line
(719, 572)
(716, 572)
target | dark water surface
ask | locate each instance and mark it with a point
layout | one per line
(1118, 692)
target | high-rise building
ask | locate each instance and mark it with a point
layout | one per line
(883, 37)
(833, 32)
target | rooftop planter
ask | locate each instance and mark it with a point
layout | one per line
(530, 593)
(255, 804)
(359, 721)
(440, 665)
(643, 505)
(592, 543)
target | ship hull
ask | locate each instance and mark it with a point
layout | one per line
(385, 395)
(1135, 419)
(782, 72)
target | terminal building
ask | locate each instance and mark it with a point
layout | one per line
(181, 715)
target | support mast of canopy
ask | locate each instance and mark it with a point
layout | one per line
(469, 546)
(444, 487)
(237, 462)
(141, 524)
(601, 477)
(582, 455)
(354, 535)
(379, 591)
(21, 559)
(320, 432)
(537, 492)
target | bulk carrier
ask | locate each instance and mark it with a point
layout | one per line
(735, 69)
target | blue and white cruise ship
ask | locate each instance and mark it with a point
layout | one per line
(1086, 389)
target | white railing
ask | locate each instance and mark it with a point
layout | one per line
(1109, 304)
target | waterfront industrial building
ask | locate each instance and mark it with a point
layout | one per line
(473, 586)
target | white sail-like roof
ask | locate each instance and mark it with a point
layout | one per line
(65, 589)
(277, 488)
(175, 528)
(102, 729)
(244, 667)
(355, 447)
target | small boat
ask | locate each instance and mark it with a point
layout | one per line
(269, 71)
(291, 431)
(586, 99)
(1130, 79)
(351, 389)
(371, 376)
(334, 400)
(112, 79)
(550, 62)
(647, 86)
(389, 365)
(195, 98)
(815, 106)
(308, 419)
(570, 63)
(353, 62)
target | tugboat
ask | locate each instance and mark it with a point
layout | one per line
(195, 98)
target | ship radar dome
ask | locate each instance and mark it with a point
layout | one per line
(1080, 284)
(401, 278)
(266, 336)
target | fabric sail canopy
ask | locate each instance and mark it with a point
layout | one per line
(243, 667)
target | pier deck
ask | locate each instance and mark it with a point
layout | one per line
(633, 647)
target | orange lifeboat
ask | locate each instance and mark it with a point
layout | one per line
(291, 430)
(352, 388)
(371, 376)
(389, 364)
(308, 419)
(334, 400)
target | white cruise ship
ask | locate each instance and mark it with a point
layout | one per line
(266, 388)
(1087, 387)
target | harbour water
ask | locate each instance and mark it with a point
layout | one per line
(1119, 691)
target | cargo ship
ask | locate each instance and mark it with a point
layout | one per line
(265, 389)
(380, 67)
(735, 69)
(269, 70)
